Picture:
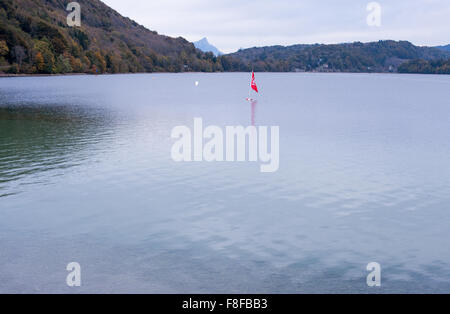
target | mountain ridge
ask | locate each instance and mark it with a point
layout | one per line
(381, 56)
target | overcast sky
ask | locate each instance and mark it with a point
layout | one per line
(234, 24)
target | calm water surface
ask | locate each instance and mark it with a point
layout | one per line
(86, 175)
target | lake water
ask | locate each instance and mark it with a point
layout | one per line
(86, 176)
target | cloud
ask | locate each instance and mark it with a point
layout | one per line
(234, 24)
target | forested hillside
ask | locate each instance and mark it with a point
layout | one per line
(426, 67)
(35, 38)
(446, 48)
(382, 56)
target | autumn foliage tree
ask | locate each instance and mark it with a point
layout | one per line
(4, 50)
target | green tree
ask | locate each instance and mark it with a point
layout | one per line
(63, 65)
(4, 50)
(43, 47)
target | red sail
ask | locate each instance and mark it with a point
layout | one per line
(253, 84)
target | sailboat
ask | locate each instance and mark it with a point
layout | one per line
(253, 86)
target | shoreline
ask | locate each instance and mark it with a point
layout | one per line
(5, 75)
(40, 75)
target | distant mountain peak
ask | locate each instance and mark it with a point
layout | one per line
(204, 45)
